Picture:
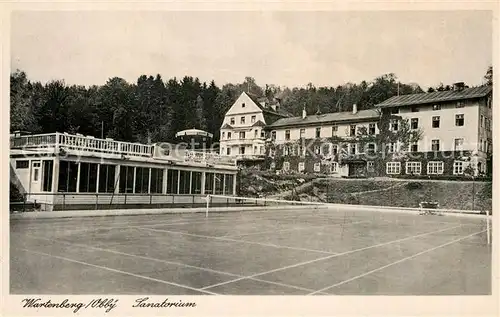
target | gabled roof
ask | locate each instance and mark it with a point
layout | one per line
(259, 124)
(226, 126)
(327, 118)
(256, 100)
(438, 96)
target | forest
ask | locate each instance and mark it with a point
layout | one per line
(154, 109)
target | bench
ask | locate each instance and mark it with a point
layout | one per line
(428, 205)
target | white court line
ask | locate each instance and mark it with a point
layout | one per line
(394, 263)
(335, 255)
(293, 229)
(166, 262)
(118, 271)
(235, 240)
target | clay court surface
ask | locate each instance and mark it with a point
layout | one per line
(295, 252)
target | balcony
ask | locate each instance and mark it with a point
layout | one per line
(89, 145)
(249, 157)
(57, 141)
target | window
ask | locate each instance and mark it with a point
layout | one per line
(243, 105)
(458, 168)
(88, 177)
(391, 147)
(286, 150)
(256, 133)
(436, 107)
(255, 150)
(459, 120)
(334, 167)
(317, 167)
(414, 109)
(414, 168)
(414, 147)
(242, 120)
(223, 135)
(229, 135)
(228, 184)
(371, 129)
(435, 167)
(219, 184)
(232, 121)
(394, 125)
(371, 148)
(318, 132)
(273, 135)
(352, 130)
(242, 135)
(68, 173)
(36, 171)
(335, 149)
(242, 150)
(317, 149)
(287, 134)
(209, 183)
(459, 143)
(414, 123)
(460, 104)
(261, 150)
(196, 183)
(335, 128)
(482, 121)
(301, 166)
(302, 151)
(395, 110)
(22, 164)
(370, 166)
(352, 148)
(228, 151)
(272, 152)
(141, 180)
(435, 145)
(393, 168)
(302, 133)
(435, 122)
(262, 134)
(156, 181)
(286, 166)
(107, 178)
(252, 119)
(184, 182)
(172, 181)
(47, 170)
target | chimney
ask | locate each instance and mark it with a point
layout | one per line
(304, 113)
(354, 109)
(458, 86)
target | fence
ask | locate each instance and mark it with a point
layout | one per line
(98, 201)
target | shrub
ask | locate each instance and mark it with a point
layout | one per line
(414, 186)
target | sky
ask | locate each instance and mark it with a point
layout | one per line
(281, 48)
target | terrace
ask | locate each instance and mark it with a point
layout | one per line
(91, 145)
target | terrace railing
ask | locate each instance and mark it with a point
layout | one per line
(209, 158)
(80, 143)
(88, 144)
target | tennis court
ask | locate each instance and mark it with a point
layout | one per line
(300, 251)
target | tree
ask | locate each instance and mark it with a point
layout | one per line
(489, 76)
(21, 98)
